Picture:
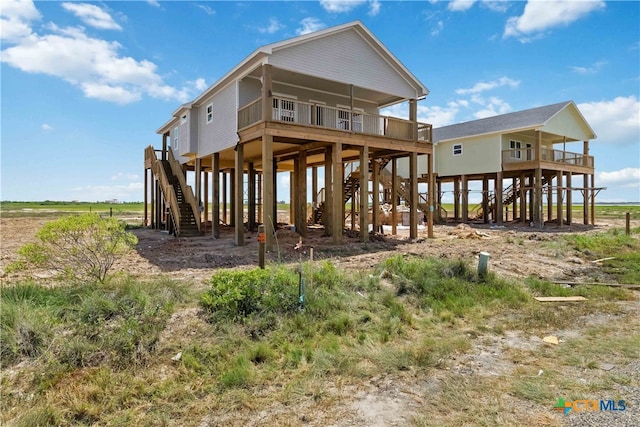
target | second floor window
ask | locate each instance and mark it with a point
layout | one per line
(209, 113)
(176, 132)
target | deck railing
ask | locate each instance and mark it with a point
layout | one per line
(322, 116)
(548, 155)
(167, 189)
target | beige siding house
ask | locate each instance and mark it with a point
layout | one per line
(523, 155)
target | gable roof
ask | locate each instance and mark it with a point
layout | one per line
(534, 118)
(259, 55)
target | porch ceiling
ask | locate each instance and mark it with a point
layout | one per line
(292, 78)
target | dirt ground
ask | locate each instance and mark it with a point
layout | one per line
(516, 251)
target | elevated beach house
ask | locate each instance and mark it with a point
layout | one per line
(522, 162)
(309, 102)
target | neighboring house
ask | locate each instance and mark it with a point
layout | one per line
(308, 102)
(525, 148)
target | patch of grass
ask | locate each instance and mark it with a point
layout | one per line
(451, 289)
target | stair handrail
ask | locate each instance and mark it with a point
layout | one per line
(168, 191)
(187, 192)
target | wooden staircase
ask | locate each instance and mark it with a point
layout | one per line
(509, 194)
(183, 214)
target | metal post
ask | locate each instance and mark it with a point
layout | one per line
(262, 245)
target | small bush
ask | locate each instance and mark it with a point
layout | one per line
(78, 247)
(238, 295)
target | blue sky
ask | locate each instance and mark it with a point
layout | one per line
(86, 84)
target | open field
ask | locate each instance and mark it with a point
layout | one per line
(395, 332)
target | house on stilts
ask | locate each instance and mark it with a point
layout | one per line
(309, 102)
(314, 103)
(522, 162)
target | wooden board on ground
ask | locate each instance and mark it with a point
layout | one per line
(559, 299)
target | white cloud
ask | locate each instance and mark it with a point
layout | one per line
(492, 107)
(92, 64)
(616, 121)
(92, 15)
(273, 27)
(46, 127)
(15, 19)
(208, 10)
(374, 7)
(496, 5)
(539, 16)
(340, 6)
(460, 5)
(155, 3)
(589, 70)
(437, 28)
(485, 86)
(627, 178)
(309, 25)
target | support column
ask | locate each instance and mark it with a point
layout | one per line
(499, 207)
(569, 200)
(327, 218)
(146, 196)
(430, 195)
(206, 199)
(364, 194)
(394, 196)
(314, 188)
(537, 205)
(514, 187)
(224, 197)
(232, 197)
(375, 208)
(456, 199)
(259, 219)
(268, 190)
(293, 189)
(301, 194)
(523, 199)
(593, 199)
(153, 203)
(215, 214)
(251, 196)
(413, 186)
(198, 176)
(238, 212)
(485, 199)
(337, 224)
(465, 199)
(559, 198)
(274, 183)
(585, 182)
(549, 197)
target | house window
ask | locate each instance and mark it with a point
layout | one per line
(457, 150)
(176, 132)
(209, 113)
(284, 110)
(515, 146)
(183, 119)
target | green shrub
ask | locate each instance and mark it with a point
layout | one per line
(238, 295)
(78, 246)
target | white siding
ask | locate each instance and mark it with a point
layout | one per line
(343, 57)
(220, 134)
(187, 133)
(249, 90)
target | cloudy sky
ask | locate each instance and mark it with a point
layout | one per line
(85, 85)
